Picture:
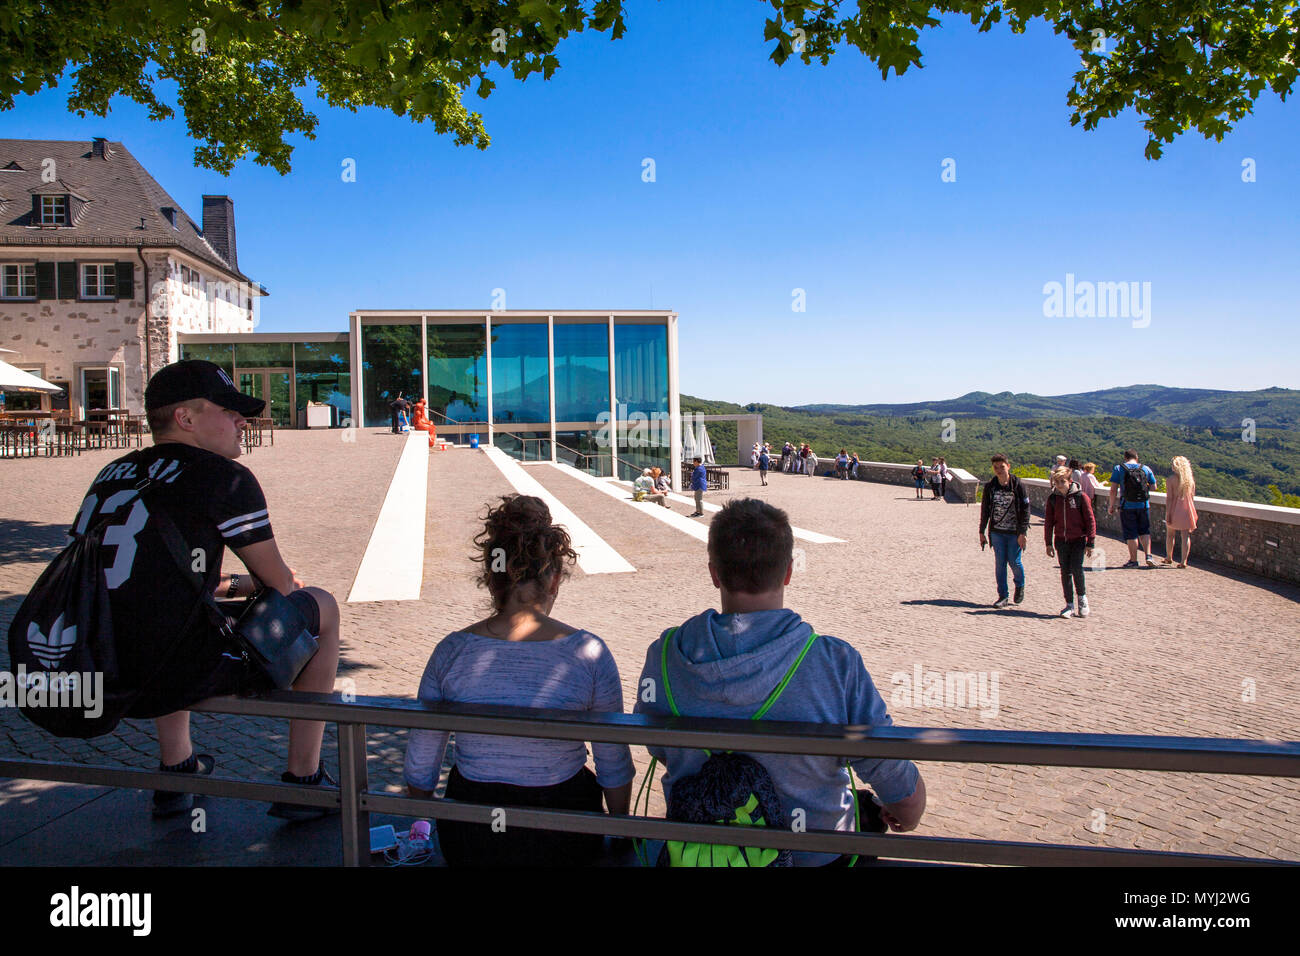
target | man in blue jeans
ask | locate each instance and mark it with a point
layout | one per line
(1004, 511)
(699, 483)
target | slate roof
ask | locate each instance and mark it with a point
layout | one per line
(118, 193)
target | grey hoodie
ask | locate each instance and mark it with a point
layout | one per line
(725, 665)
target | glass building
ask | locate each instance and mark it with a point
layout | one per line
(595, 389)
(540, 385)
(288, 370)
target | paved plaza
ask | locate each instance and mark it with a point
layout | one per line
(1165, 651)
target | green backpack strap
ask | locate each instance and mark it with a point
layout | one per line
(647, 782)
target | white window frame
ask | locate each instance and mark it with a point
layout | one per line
(113, 383)
(20, 272)
(105, 273)
(54, 210)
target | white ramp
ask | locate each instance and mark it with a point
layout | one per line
(621, 492)
(393, 566)
(595, 556)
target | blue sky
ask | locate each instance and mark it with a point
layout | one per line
(768, 180)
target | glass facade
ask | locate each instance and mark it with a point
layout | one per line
(458, 372)
(581, 372)
(641, 367)
(264, 354)
(323, 374)
(391, 364)
(222, 354)
(521, 385)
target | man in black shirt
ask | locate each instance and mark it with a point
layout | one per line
(399, 408)
(1004, 510)
(196, 416)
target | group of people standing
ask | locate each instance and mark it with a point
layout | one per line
(1070, 520)
(936, 476)
(798, 459)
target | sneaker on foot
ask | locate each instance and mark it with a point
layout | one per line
(1129, 564)
(1002, 602)
(1069, 611)
(296, 811)
(1020, 594)
(1084, 610)
(168, 803)
(1151, 562)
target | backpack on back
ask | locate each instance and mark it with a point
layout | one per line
(1135, 485)
(731, 788)
(62, 645)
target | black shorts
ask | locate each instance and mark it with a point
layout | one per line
(222, 673)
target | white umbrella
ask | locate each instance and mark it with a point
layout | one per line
(688, 444)
(705, 447)
(16, 380)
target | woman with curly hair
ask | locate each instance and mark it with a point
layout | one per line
(1180, 510)
(520, 656)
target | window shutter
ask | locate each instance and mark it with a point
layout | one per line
(67, 280)
(36, 210)
(45, 284)
(125, 273)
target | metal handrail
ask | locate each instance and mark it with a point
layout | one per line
(1111, 751)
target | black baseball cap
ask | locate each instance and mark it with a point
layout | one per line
(195, 378)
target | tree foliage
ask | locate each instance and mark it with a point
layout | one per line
(240, 66)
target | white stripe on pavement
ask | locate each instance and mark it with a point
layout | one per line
(619, 492)
(595, 556)
(393, 566)
(813, 537)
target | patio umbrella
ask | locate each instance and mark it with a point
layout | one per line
(704, 447)
(688, 444)
(16, 380)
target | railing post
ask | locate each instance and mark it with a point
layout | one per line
(353, 783)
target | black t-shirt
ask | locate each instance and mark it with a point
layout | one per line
(215, 503)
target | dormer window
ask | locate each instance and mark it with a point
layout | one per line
(54, 210)
(169, 213)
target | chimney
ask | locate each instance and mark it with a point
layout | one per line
(100, 148)
(219, 227)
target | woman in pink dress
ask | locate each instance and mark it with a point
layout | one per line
(1180, 510)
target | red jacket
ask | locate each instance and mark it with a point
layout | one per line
(1069, 517)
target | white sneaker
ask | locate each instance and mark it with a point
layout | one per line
(1069, 611)
(1084, 610)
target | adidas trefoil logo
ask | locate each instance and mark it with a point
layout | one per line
(50, 650)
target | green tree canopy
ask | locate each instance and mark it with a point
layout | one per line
(240, 66)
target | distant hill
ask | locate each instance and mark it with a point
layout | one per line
(1224, 464)
(1193, 407)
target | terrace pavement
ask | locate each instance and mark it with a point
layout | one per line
(1166, 651)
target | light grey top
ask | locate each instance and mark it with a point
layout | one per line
(576, 672)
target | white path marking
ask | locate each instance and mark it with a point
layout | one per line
(813, 537)
(595, 556)
(393, 565)
(621, 492)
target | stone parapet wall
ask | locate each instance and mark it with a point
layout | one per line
(1262, 539)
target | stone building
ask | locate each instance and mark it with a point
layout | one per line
(100, 269)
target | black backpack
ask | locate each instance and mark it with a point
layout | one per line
(62, 647)
(1135, 485)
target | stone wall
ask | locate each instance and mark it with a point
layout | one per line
(1261, 539)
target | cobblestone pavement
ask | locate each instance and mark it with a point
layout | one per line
(1165, 651)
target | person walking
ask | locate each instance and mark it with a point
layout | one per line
(1070, 529)
(1180, 509)
(810, 463)
(699, 484)
(764, 463)
(1004, 511)
(1137, 483)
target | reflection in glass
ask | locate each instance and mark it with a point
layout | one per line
(641, 367)
(391, 362)
(520, 381)
(581, 372)
(458, 372)
(222, 354)
(323, 375)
